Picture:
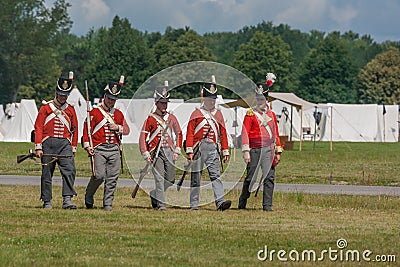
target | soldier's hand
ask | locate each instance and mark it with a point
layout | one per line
(226, 158)
(277, 158)
(190, 156)
(149, 159)
(113, 126)
(246, 157)
(175, 157)
(39, 153)
(90, 150)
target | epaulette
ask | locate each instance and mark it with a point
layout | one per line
(250, 112)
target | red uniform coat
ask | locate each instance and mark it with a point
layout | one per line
(104, 135)
(152, 123)
(256, 135)
(193, 136)
(48, 126)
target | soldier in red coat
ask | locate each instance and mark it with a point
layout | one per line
(56, 132)
(206, 133)
(107, 127)
(260, 145)
(160, 143)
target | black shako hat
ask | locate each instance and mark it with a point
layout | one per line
(161, 93)
(64, 85)
(210, 89)
(113, 89)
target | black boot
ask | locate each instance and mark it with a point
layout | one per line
(244, 196)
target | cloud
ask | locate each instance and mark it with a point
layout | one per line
(302, 13)
(87, 14)
(94, 9)
(204, 16)
(343, 16)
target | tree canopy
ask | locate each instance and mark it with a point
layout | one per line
(379, 81)
(30, 34)
(37, 47)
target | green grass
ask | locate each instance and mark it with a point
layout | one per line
(348, 163)
(133, 234)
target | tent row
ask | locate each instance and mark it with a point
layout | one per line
(336, 122)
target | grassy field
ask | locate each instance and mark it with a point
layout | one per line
(348, 163)
(133, 234)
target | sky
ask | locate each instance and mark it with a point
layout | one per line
(379, 19)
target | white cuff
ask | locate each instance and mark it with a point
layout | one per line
(38, 146)
(86, 145)
(177, 150)
(245, 148)
(74, 148)
(146, 155)
(189, 150)
(225, 152)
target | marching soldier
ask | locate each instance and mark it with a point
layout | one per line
(160, 143)
(107, 127)
(56, 128)
(206, 132)
(261, 146)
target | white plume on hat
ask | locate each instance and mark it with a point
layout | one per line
(270, 77)
(122, 80)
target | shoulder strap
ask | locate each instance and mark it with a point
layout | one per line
(208, 117)
(261, 119)
(163, 126)
(59, 114)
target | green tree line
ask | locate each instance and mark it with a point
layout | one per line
(36, 47)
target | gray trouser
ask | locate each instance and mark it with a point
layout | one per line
(57, 146)
(107, 164)
(259, 158)
(210, 156)
(269, 188)
(164, 175)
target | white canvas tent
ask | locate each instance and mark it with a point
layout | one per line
(19, 127)
(1, 118)
(1, 112)
(343, 122)
(77, 100)
(359, 123)
(135, 112)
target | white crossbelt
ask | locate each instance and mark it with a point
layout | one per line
(59, 114)
(162, 125)
(107, 118)
(259, 116)
(208, 118)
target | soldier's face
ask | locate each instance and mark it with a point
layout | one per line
(162, 106)
(109, 102)
(261, 102)
(61, 98)
(209, 103)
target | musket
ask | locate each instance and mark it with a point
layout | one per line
(258, 188)
(32, 155)
(89, 129)
(143, 173)
(154, 157)
(187, 167)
